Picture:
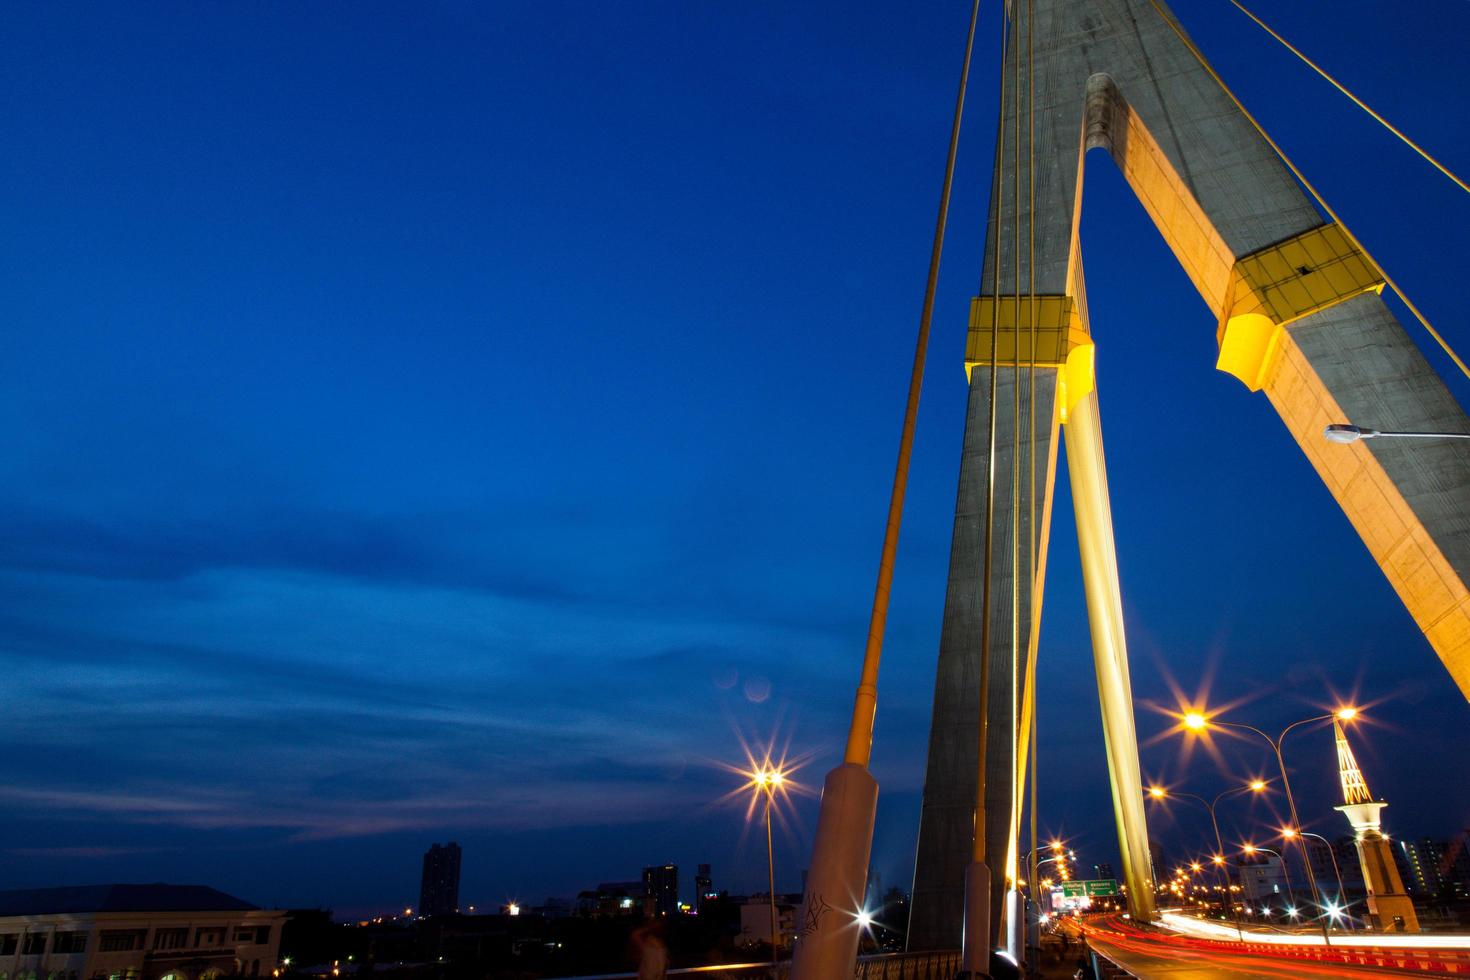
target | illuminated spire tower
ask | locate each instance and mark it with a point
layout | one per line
(1389, 909)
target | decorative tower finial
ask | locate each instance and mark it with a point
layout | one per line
(1389, 908)
(1354, 786)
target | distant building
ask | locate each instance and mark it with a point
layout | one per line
(439, 889)
(1103, 871)
(1157, 865)
(755, 919)
(553, 908)
(704, 888)
(1435, 869)
(615, 898)
(1263, 882)
(135, 932)
(661, 883)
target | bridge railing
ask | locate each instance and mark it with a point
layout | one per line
(939, 965)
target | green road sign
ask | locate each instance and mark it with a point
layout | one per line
(1090, 888)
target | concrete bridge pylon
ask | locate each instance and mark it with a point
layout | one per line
(1300, 319)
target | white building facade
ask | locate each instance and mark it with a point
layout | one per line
(135, 932)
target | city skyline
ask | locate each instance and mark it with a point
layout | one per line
(477, 426)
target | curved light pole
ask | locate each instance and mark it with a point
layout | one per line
(1336, 871)
(1285, 869)
(1254, 786)
(1196, 721)
(1341, 432)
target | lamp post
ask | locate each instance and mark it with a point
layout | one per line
(767, 780)
(1254, 786)
(1251, 849)
(1336, 871)
(1197, 722)
(1341, 432)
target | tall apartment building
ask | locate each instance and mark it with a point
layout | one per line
(1435, 868)
(662, 886)
(704, 888)
(439, 889)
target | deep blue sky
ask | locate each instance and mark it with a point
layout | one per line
(472, 420)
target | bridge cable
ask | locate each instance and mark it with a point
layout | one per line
(1199, 56)
(1032, 639)
(1357, 101)
(860, 737)
(1013, 821)
(978, 847)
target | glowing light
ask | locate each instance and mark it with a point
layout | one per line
(777, 777)
(1248, 848)
(1218, 859)
(1195, 722)
(1056, 845)
(408, 911)
(1291, 911)
(1288, 832)
(1346, 714)
(865, 919)
(1189, 925)
(1157, 792)
(1194, 866)
(1333, 909)
(512, 909)
(1258, 786)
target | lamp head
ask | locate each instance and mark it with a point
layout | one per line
(1340, 432)
(1195, 722)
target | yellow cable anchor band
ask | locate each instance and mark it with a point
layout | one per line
(1284, 283)
(1060, 341)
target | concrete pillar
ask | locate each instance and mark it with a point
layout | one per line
(936, 919)
(1114, 75)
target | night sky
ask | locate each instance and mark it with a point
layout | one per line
(475, 421)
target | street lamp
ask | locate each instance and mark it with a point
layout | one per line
(1254, 786)
(1251, 849)
(1340, 432)
(767, 780)
(1196, 721)
(1333, 909)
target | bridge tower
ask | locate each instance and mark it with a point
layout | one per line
(1389, 907)
(1298, 318)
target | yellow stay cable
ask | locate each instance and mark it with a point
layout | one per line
(1199, 56)
(1356, 101)
(1032, 639)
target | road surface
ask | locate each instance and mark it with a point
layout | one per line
(1149, 954)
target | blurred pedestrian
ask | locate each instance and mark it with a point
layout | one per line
(653, 955)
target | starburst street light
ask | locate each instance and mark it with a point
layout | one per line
(768, 779)
(1199, 721)
(1254, 786)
